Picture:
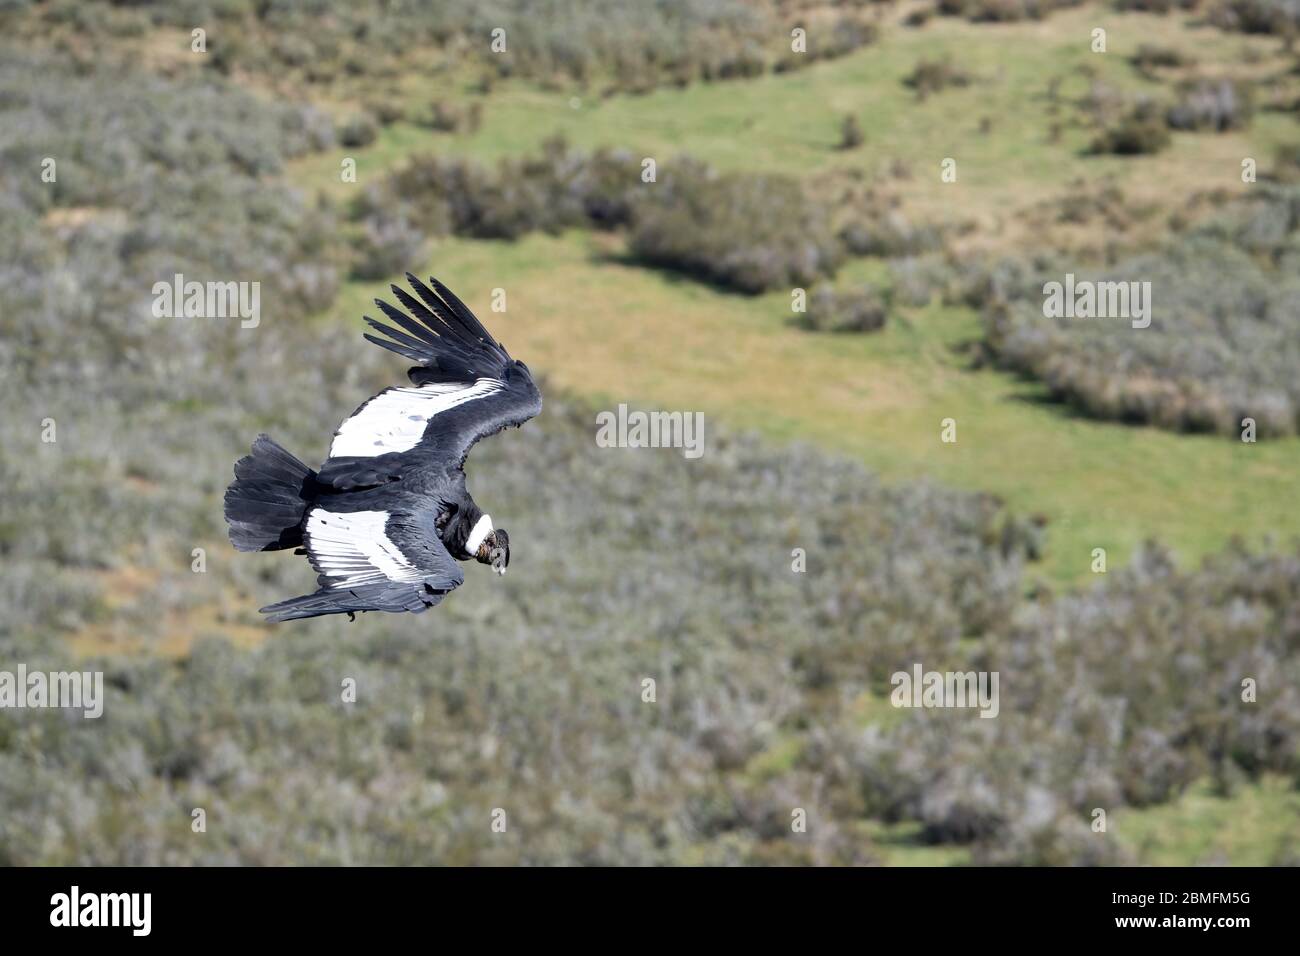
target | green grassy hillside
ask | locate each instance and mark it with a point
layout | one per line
(604, 327)
(584, 313)
(618, 332)
(771, 681)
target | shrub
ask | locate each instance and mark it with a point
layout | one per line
(877, 229)
(847, 34)
(1287, 163)
(1278, 17)
(555, 43)
(1213, 105)
(388, 247)
(557, 189)
(1223, 336)
(1002, 11)
(1151, 56)
(1154, 6)
(1095, 716)
(445, 117)
(932, 76)
(1140, 130)
(386, 110)
(749, 232)
(358, 131)
(609, 187)
(850, 133)
(856, 310)
(131, 186)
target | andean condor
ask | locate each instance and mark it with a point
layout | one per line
(387, 516)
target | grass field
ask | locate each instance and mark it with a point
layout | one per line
(791, 122)
(1256, 827)
(580, 311)
(597, 325)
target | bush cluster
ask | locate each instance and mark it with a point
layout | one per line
(1153, 56)
(1138, 129)
(771, 686)
(526, 698)
(744, 231)
(933, 76)
(151, 177)
(1214, 106)
(1224, 338)
(1278, 17)
(617, 45)
(1156, 6)
(448, 117)
(1002, 11)
(1120, 696)
(849, 310)
(1130, 126)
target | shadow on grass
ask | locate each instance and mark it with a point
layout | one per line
(675, 277)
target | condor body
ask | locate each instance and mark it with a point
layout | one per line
(387, 518)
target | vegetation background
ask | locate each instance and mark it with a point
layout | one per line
(775, 169)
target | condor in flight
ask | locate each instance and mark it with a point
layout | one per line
(387, 517)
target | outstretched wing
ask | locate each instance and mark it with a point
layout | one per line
(465, 387)
(371, 561)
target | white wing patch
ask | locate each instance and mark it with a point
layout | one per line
(351, 548)
(395, 419)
